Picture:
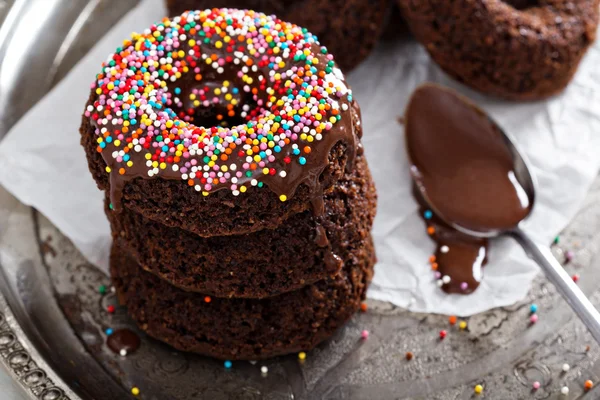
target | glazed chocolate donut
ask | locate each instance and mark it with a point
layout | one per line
(220, 122)
(516, 49)
(349, 28)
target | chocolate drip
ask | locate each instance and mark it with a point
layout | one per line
(332, 261)
(123, 341)
(463, 169)
(457, 256)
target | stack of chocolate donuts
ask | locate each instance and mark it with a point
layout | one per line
(228, 145)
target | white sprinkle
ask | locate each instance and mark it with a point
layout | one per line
(564, 390)
(566, 367)
(283, 174)
(252, 362)
(264, 370)
(444, 249)
(123, 352)
(439, 283)
(446, 279)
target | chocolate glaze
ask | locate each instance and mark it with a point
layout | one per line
(461, 163)
(123, 339)
(463, 169)
(296, 174)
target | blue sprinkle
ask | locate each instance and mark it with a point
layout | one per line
(227, 364)
(262, 155)
(126, 157)
(533, 308)
(133, 121)
(102, 145)
(109, 139)
(427, 214)
(109, 331)
(165, 148)
(177, 91)
(277, 149)
(235, 90)
(296, 152)
(302, 160)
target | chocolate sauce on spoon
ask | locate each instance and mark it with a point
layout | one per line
(462, 167)
(474, 178)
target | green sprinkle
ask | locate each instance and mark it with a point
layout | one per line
(102, 289)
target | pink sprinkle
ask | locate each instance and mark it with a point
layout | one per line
(536, 385)
(569, 255)
(533, 319)
(464, 286)
(364, 335)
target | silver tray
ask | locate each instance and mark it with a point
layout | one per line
(52, 317)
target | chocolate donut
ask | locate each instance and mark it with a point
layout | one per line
(220, 122)
(349, 28)
(242, 329)
(516, 49)
(301, 251)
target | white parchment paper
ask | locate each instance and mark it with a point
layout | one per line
(560, 136)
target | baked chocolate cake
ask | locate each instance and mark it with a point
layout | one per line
(260, 264)
(349, 28)
(228, 146)
(516, 49)
(242, 329)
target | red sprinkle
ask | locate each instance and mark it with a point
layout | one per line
(443, 334)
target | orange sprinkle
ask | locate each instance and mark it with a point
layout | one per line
(430, 230)
(363, 307)
(432, 258)
(307, 149)
(191, 182)
(434, 266)
(122, 171)
(207, 299)
(452, 319)
(588, 385)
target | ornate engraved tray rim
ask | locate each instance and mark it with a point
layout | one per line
(50, 316)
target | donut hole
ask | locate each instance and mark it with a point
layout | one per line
(210, 103)
(523, 4)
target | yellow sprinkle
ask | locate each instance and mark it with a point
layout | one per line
(108, 169)
(135, 391)
(302, 355)
(283, 197)
(266, 172)
(478, 389)
(462, 325)
(163, 165)
(243, 189)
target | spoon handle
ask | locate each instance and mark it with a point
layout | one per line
(562, 281)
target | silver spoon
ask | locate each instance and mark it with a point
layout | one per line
(540, 254)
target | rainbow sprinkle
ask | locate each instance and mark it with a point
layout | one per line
(272, 78)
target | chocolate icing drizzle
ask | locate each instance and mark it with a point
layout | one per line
(463, 169)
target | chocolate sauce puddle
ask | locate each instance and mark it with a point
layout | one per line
(123, 341)
(462, 167)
